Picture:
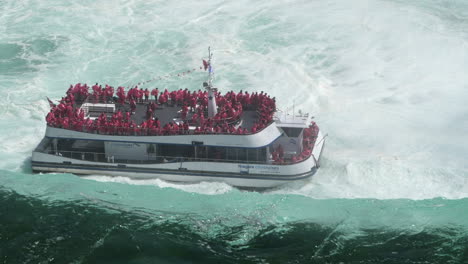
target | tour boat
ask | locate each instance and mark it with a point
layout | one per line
(180, 136)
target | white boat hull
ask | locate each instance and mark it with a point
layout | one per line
(238, 181)
(235, 174)
(241, 175)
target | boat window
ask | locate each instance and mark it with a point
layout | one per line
(175, 150)
(262, 154)
(231, 154)
(242, 154)
(46, 144)
(292, 131)
(217, 153)
(151, 148)
(99, 150)
(201, 152)
(80, 145)
(252, 154)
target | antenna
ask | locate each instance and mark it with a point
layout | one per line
(210, 69)
(212, 108)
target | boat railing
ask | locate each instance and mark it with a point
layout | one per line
(153, 159)
(102, 99)
(323, 138)
(80, 155)
(149, 159)
(228, 120)
(139, 131)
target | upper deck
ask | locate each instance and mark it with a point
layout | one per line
(165, 113)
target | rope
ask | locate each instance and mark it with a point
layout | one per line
(167, 76)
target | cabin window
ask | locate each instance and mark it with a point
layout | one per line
(217, 153)
(252, 154)
(201, 152)
(175, 150)
(242, 154)
(292, 131)
(80, 145)
(262, 154)
(88, 149)
(231, 154)
(151, 149)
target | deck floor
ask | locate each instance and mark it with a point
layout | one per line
(170, 113)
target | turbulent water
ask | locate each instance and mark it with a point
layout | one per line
(386, 80)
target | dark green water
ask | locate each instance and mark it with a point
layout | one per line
(36, 231)
(75, 220)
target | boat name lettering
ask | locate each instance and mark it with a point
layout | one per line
(258, 167)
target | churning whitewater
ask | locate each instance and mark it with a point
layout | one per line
(386, 80)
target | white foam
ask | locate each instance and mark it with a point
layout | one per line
(385, 79)
(209, 188)
(394, 114)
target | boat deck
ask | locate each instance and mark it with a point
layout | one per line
(167, 113)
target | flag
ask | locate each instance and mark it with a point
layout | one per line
(205, 64)
(51, 104)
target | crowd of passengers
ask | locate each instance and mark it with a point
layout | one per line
(68, 115)
(308, 141)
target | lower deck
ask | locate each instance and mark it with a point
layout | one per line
(148, 153)
(242, 167)
(292, 146)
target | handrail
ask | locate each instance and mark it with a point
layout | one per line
(315, 161)
(169, 159)
(92, 99)
(323, 138)
(148, 133)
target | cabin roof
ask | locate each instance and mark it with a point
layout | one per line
(296, 121)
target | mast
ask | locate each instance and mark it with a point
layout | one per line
(210, 70)
(212, 108)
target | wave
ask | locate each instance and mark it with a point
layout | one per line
(233, 227)
(232, 204)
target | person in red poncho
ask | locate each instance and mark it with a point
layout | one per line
(147, 93)
(184, 112)
(155, 93)
(132, 105)
(162, 98)
(280, 151)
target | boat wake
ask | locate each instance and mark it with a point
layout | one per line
(382, 178)
(208, 188)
